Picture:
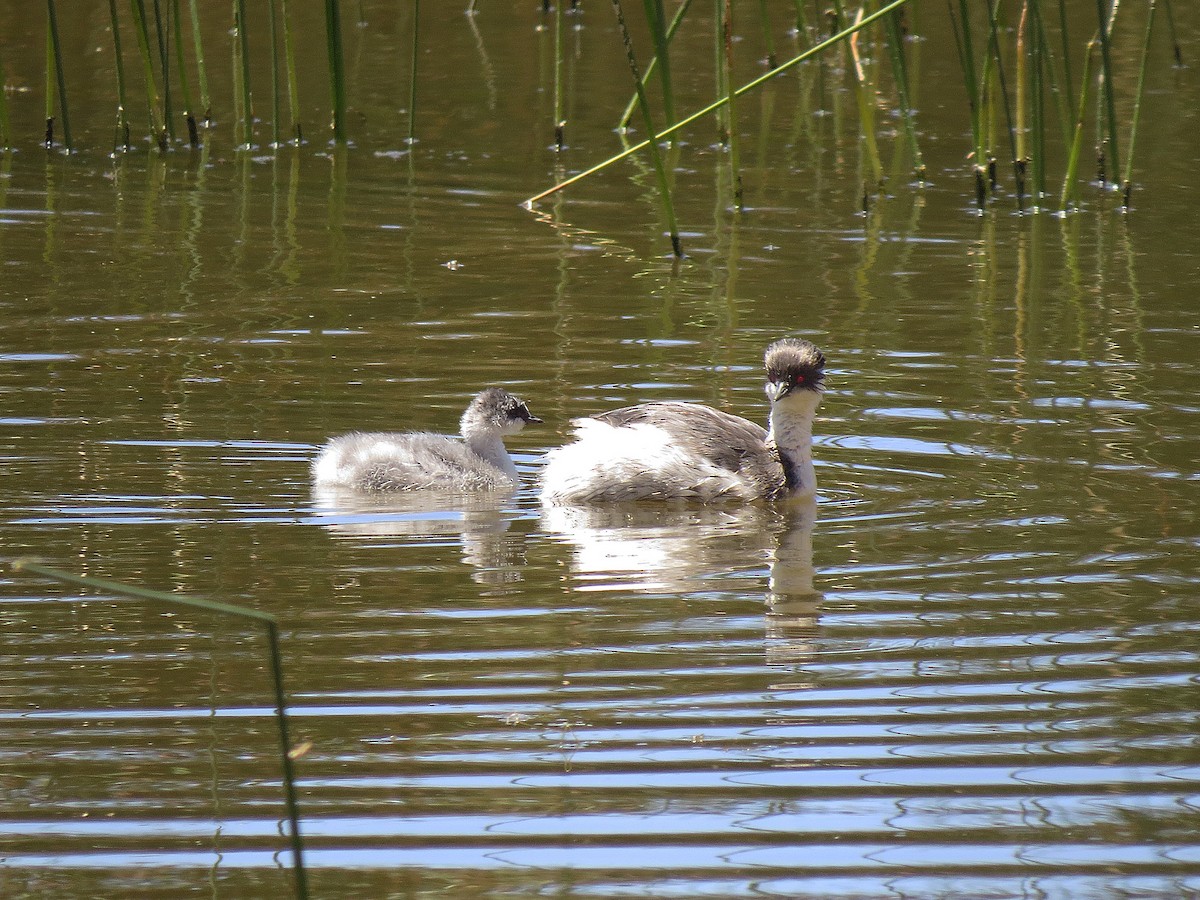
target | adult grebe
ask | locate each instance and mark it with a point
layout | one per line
(420, 461)
(685, 451)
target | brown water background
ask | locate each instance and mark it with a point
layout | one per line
(970, 672)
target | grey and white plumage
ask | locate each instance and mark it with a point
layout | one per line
(411, 461)
(686, 451)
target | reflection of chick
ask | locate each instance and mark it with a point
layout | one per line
(418, 461)
(480, 520)
(686, 451)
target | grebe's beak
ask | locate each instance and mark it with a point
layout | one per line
(777, 390)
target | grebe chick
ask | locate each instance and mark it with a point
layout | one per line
(416, 461)
(685, 451)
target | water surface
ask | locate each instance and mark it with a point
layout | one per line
(966, 671)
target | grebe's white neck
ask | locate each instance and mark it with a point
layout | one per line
(489, 444)
(790, 431)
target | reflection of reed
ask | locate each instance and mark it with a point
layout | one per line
(481, 520)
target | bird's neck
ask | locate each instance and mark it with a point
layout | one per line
(791, 432)
(490, 445)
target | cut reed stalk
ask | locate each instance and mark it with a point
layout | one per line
(242, 61)
(184, 89)
(157, 132)
(720, 102)
(270, 625)
(122, 134)
(289, 53)
(201, 68)
(337, 67)
(1037, 102)
(1127, 178)
(651, 66)
(660, 171)
(54, 48)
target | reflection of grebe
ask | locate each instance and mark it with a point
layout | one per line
(420, 461)
(685, 451)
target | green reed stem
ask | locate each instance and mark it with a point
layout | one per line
(721, 102)
(164, 62)
(55, 48)
(1076, 146)
(1127, 179)
(122, 136)
(141, 28)
(656, 18)
(1105, 24)
(1064, 34)
(201, 68)
(242, 60)
(660, 171)
(895, 43)
(271, 626)
(764, 18)
(412, 74)
(337, 68)
(180, 64)
(651, 66)
(1037, 98)
(1061, 92)
(276, 106)
(289, 53)
(5, 133)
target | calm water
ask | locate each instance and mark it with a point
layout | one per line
(969, 671)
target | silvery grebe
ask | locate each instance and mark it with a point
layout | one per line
(686, 451)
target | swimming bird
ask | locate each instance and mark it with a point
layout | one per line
(416, 461)
(685, 451)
